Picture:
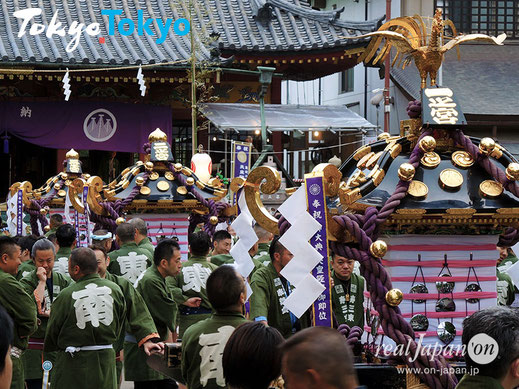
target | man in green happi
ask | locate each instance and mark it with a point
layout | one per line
(141, 235)
(157, 296)
(347, 292)
(44, 285)
(66, 237)
(27, 265)
(18, 304)
(130, 261)
(222, 242)
(56, 220)
(204, 342)
(264, 239)
(270, 290)
(497, 368)
(86, 320)
(188, 287)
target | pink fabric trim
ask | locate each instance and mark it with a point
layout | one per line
(420, 248)
(452, 263)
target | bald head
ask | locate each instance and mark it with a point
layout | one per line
(263, 235)
(318, 358)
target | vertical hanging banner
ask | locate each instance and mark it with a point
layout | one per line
(316, 203)
(86, 215)
(240, 163)
(19, 214)
(241, 159)
(78, 229)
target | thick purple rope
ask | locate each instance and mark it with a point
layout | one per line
(511, 235)
(365, 230)
(35, 214)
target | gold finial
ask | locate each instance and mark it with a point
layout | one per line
(512, 171)
(427, 144)
(157, 135)
(378, 248)
(394, 297)
(406, 172)
(213, 220)
(120, 220)
(72, 154)
(487, 145)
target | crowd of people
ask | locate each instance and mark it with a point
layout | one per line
(76, 317)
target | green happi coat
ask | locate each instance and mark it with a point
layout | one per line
(222, 259)
(139, 323)
(90, 312)
(130, 261)
(348, 300)
(51, 231)
(159, 300)
(61, 261)
(147, 245)
(263, 254)
(268, 294)
(190, 282)
(20, 306)
(32, 358)
(505, 289)
(202, 350)
(25, 268)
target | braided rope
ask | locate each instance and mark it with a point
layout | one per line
(511, 235)
(365, 229)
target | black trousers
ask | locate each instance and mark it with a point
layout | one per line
(161, 384)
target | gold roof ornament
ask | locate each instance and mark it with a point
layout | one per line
(411, 43)
(72, 154)
(157, 136)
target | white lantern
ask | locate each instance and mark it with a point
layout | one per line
(202, 165)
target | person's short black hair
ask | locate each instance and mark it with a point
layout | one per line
(324, 350)
(85, 258)
(199, 243)
(7, 245)
(164, 250)
(6, 336)
(221, 235)
(502, 324)
(56, 217)
(224, 286)
(52, 238)
(276, 247)
(27, 242)
(252, 356)
(101, 248)
(65, 235)
(125, 232)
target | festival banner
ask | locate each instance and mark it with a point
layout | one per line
(316, 203)
(19, 214)
(241, 159)
(84, 125)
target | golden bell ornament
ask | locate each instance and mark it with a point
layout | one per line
(406, 172)
(394, 297)
(148, 166)
(139, 181)
(120, 220)
(512, 171)
(64, 176)
(487, 145)
(178, 167)
(378, 248)
(213, 220)
(57, 186)
(190, 181)
(46, 228)
(43, 211)
(427, 144)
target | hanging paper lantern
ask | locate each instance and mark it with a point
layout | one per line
(202, 165)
